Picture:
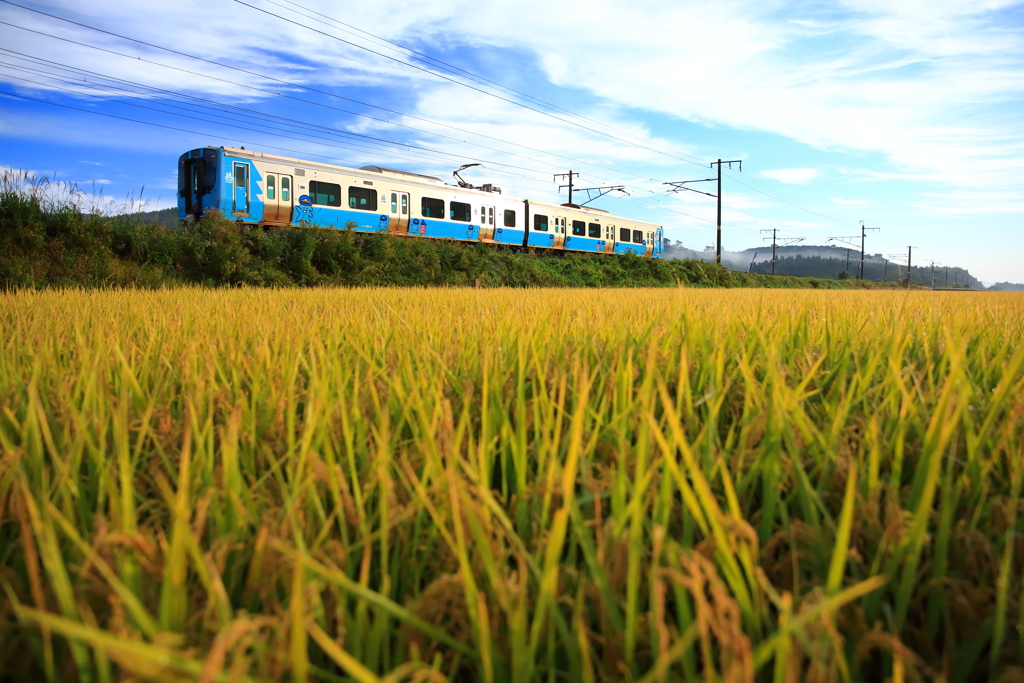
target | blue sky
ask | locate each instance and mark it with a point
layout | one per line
(908, 115)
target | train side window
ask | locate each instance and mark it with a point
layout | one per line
(286, 188)
(460, 211)
(638, 237)
(623, 234)
(405, 205)
(325, 194)
(432, 208)
(510, 218)
(540, 223)
(362, 198)
(394, 202)
(595, 230)
(490, 215)
(270, 187)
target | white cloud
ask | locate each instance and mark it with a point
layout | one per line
(843, 201)
(912, 79)
(795, 176)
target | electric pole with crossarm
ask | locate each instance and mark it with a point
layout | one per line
(677, 186)
(570, 175)
(786, 241)
(863, 230)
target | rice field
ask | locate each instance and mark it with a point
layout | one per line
(511, 485)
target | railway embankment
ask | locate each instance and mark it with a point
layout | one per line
(49, 243)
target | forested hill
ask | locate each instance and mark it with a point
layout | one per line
(827, 261)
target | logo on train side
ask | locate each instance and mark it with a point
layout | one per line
(305, 200)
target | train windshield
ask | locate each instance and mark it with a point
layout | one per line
(210, 171)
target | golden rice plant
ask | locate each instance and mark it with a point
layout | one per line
(511, 485)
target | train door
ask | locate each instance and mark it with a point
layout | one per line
(658, 246)
(277, 198)
(240, 205)
(398, 208)
(609, 245)
(559, 229)
(486, 222)
(192, 192)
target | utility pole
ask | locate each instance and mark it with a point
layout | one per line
(885, 269)
(847, 261)
(933, 274)
(569, 175)
(751, 266)
(863, 230)
(786, 241)
(945, 276)
(678, 185)
(910, 268)
(601, 191)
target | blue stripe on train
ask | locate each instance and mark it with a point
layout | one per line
(586, 244)
(339, 218)
(541, 239)
(437, 228)
(509, 236)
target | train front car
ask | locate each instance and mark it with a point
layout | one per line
(572, 228)
(199, 183)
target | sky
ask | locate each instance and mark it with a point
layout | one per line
(904, 114)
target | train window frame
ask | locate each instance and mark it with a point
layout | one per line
(510, 218)
(271, 187)
(594, 230)
(460, 211)
(286, 188)
(405, 204)
(394, 203)
(329, 190)
(624, 234)
(360, 195)
(638, 237)
(538, 220)
(431, 207)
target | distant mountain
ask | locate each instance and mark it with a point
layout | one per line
(169, 217)
(825, 261)
(1007, 287)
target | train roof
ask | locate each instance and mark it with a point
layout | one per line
(586, 210)
(418, 177)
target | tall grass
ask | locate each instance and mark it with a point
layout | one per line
(511, 485)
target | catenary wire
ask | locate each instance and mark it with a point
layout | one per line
(322, 92)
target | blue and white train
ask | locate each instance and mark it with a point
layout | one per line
(272, 190)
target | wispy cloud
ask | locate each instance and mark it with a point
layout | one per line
(794, 176)
(843, 201)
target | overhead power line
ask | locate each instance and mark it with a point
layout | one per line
(308, 89)
(480, 79)
(647, 145)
